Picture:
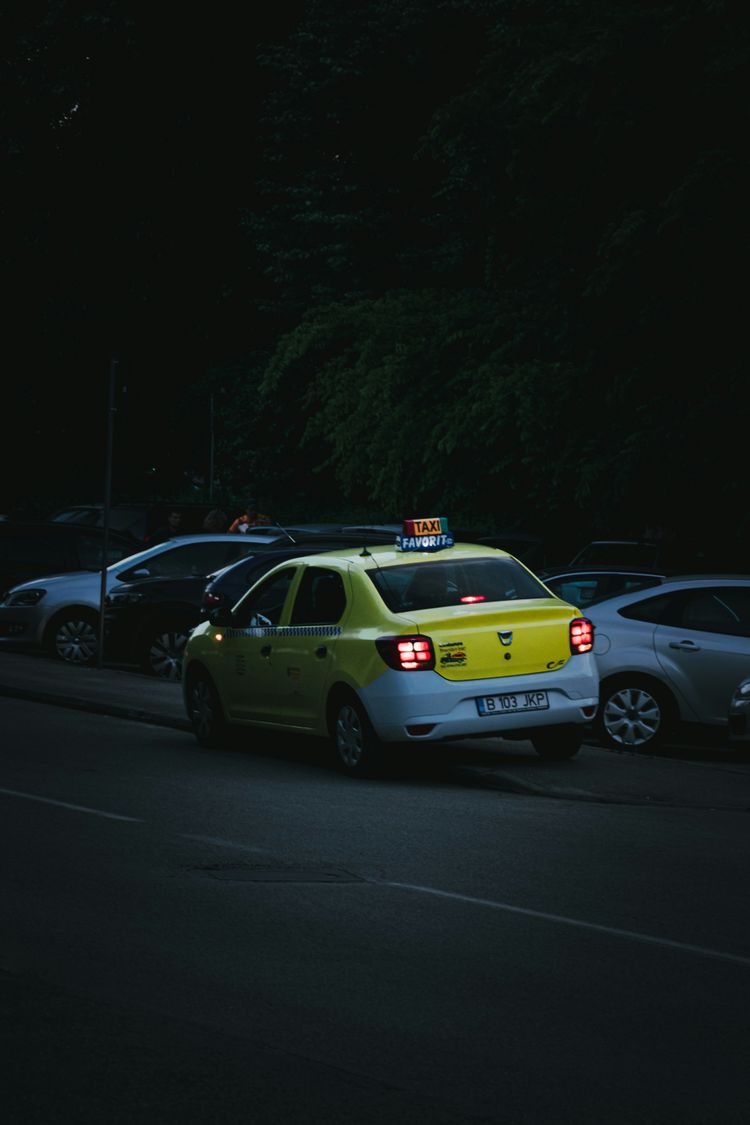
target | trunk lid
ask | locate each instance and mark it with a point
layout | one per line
(513, 639)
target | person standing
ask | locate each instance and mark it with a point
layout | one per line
(250, 517)
(216, 520)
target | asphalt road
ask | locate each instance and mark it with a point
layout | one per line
(229, 936)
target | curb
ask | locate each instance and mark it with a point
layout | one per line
(491, 779)
(134, 713)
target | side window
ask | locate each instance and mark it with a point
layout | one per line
(190, 559)
(265, 605)
(664, 609)
(577, 592)
(718, 611)
(321, 599)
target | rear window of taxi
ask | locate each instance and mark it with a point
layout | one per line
(429, 585)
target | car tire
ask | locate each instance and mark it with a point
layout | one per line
(73, 637)
(557, 743)
(162, 650)
(206, 713)
(635, 713)
(359, 752)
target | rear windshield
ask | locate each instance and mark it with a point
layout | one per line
(427, 585)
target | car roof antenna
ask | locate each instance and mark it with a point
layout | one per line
(364, 553)
(277, 524)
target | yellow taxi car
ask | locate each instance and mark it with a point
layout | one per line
(422, 641)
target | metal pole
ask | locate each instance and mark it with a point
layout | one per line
(107, 504)
(211, 448)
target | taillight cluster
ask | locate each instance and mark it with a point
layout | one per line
(581, 635)
(407, 654)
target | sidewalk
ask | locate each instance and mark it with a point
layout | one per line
(718, 781)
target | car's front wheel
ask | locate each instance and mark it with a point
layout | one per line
(555, 744)
(634, 714)
(206, 713)
(74, 637)
(359, 751)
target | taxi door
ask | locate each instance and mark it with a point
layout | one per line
(304, 655)
(248, 656)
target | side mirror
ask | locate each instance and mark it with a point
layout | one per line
(222, 615)
(136, 572)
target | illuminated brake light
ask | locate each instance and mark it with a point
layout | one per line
(581, 635)
(470, 598)
(407, 654)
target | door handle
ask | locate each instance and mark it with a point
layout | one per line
(685, 646)
(266, 650)
(321, 651)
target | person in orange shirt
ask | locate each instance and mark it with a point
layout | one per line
(251, 517)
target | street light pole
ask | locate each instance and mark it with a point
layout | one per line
(107, 505)
(211, 447)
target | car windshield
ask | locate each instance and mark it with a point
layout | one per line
(427, 585)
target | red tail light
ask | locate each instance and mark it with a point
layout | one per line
(581, 635)
(210, 601)
(407, 654)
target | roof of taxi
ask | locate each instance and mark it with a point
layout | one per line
(375, 557)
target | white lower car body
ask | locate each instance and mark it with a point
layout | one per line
(398, 701)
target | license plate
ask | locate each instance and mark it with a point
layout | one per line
(513, 701)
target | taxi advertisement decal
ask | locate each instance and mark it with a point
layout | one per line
(452, 654)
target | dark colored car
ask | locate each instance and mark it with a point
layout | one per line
(668, 556)
(35, 549)
(147, 621)
(583, 586)
(138, 520)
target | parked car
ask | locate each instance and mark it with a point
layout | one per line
(669, 656)
(409, 643)
(147, 621)
(60, 613)
(583, 586)
(227, 586)
(32, 549)
(138, 520)
(529, 548)
(667, 556)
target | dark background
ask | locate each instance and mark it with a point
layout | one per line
(487, 258)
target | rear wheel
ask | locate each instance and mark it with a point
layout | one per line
(74, 637)
(206, 713)
(634, 714)
(555, 744)
(359, 751)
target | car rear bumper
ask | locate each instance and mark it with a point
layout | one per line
(424, 707)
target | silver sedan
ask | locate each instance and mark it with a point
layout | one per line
(669, 655)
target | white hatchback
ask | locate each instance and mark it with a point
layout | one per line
(60, 613)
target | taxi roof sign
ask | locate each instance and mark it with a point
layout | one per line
(429, 533)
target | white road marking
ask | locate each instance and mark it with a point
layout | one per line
(65, 805)
(561, 919)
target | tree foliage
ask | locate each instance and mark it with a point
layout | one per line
(514, 292)
(474, 254)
